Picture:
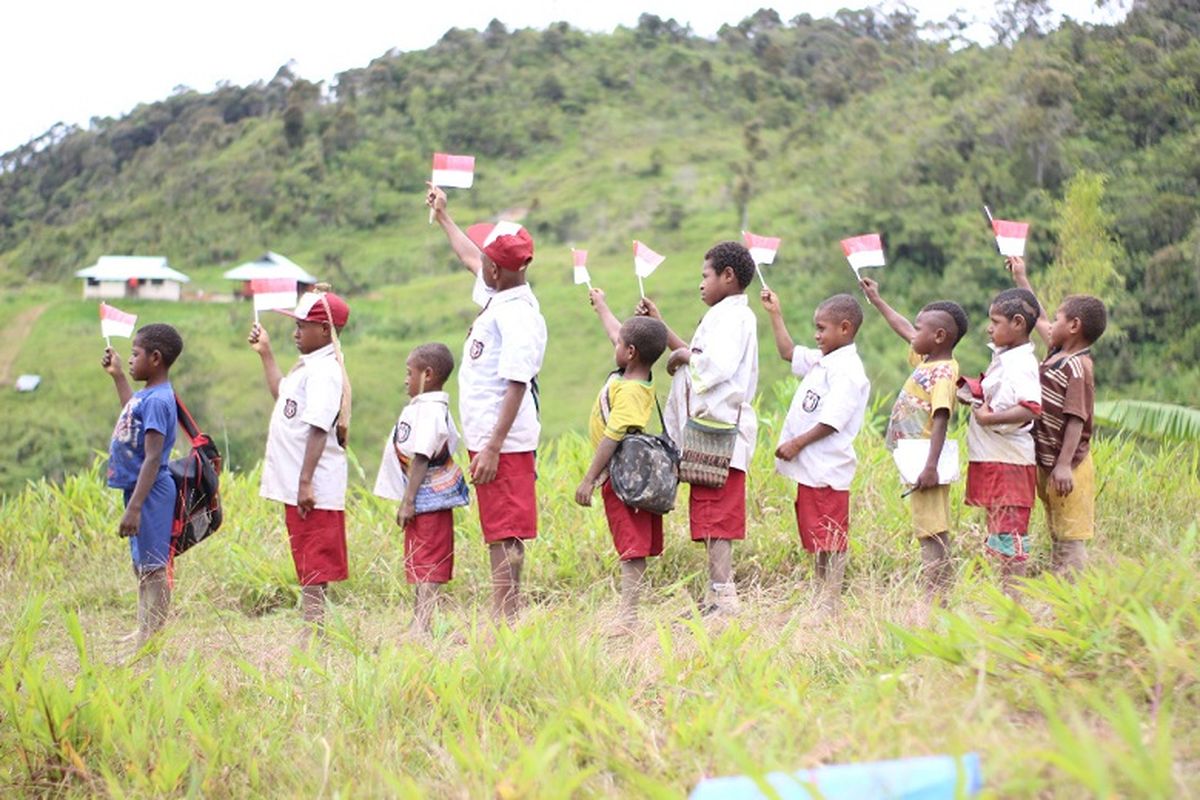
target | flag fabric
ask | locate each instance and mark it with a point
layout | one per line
(645, 260)
(581, 270)
(1010, 236)
(114, 322)
(762, 248)
(863, 251)
(272, 293)
(457, 172)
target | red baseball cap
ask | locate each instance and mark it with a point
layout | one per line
(506, 243)
(311, 309)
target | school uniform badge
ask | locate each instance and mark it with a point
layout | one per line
(811, 400)
(289, 408)
(476, 348)
(402, 432)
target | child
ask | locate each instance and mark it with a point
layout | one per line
(816, 445)
(628, 396)
(498, 393)
(138, 455)
(922, 411)
(305, 463)
(1065, 476)
(718, 385)
(1001, 474)
(424, 436)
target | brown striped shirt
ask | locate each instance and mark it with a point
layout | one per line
(1068, 390)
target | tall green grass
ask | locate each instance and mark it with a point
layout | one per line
(1083, 689)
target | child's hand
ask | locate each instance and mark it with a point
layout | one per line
(111, 362)
(1062, 480)
(596, 298)
(870, 288)
(131, 521)
(435, 198)
(306, 498)
(583, 493)
(258, 339)
(788, 450)
(484, 465)
(928, 479)
(965, 396)
(983, 414)
(678, 358)
(770, 301)
(1015, 265)
(646, 308)
(406, 513)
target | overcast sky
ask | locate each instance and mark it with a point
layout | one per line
(72, 60)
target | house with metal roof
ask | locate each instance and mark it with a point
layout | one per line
(270, 265)
(142, 277)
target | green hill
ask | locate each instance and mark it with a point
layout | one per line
(807, 129)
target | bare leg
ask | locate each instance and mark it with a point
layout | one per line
(1068, 558)
(312, 602)
(427, 601)
(154, 600)
(507, 558)
(832, 569)
(1010, 572)
(633, 572)
(936, 567)
(720, 575)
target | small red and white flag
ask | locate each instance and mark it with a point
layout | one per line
(457, 172)
(1010, 236)
(581, 270)
(272, 293)
(762, 248)
(863, 251)
(645, 260)
(114, 322)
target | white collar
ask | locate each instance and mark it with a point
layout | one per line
(843, 352)
(323, 352)
(432, 397)
(515, 293)
(732, 300)
(1006, 354)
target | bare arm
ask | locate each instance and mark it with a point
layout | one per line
(612, 325)
(1017, 415)
(899, 323)
(416, 474)
(937, 440)
(1016, 265)
(792, 447)
(131, 520)
(646, 308)
(261, 344)
(783, 340)
(604, 454)
(487, 460)
(1060, 477)
(314, 446)
(462, 246)
(112, 365)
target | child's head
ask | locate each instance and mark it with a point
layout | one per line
(1011, 316)
(506, 250)
(427, 368)
(728, 269)
(313, 328)
(1080, 321)
(641, 340)
(155, 348)
(939, 327)
(837, 320)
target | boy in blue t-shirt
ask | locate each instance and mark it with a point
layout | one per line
(137, 463)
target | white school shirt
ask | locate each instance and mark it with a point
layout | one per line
(507, 342)
(834, 392)
(424, 428)
(721, 377)
(309, 396)
(1011, 379)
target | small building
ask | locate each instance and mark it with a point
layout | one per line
(270, 265)
(143, 277)
(27, 383)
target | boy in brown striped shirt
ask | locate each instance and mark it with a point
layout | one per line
(1066, 478)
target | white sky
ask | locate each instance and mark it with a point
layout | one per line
(72, 60)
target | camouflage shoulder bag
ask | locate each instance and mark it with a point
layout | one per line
(644, 471)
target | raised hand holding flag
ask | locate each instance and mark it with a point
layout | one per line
(863, 251)
(581, 270)
(763, 250)
(457, 172)
(645, 261)
(114, 322)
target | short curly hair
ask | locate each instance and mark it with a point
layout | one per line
(436, 356)
(1091, 313)
(1015, 302)
(843, 307)
(734, 256)
(161, 337)
(648, 336)
(956, 314)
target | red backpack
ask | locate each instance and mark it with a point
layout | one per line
(197, 478)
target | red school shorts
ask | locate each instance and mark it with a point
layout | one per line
(429, 547)
(635, 533)
(318, 545)
(719, 513)
(508, 503)
(823, 518)
(1007, 491)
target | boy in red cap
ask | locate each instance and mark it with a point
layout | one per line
(305, 464)
(498, 392)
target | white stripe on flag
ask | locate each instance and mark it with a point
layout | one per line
(1010, 246)
(268, 301)
(864, 251)
(1010, 236)
(114, 322)
(581, 275)
(645, 260)
(456, 172)
(762, 248)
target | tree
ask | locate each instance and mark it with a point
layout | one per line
(1087, 253)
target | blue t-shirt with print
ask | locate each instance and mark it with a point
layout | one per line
(151, 409)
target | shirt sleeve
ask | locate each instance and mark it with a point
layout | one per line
(521, 343)
(722, 353)
(158, 414)
(804, 359)
(480, 293)
(841, 402)
(630, 410)
(941, 393)
(323, 395)
(429, 431)
(1027, 385)
(1079, 397)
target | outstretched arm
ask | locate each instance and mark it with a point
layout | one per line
(612, 325)
(646, 308)
(783, 340)
(604, 454)
(463, 247)
(1016, 265)
(900, 324)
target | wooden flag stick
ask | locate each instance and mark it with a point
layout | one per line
(641, 288)
(758, 269)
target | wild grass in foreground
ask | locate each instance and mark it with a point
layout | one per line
(1083, 689)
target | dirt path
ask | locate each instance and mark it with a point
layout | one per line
(10, 346)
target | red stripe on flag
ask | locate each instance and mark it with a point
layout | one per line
(268, 285)
(453, 163)
(766, 242)
(580, 257)
(859, 244)
(116, 315)
(1009, 229)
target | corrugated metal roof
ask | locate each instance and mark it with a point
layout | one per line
(270, 265)
(122, 268)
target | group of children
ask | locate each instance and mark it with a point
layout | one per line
(1028, 433)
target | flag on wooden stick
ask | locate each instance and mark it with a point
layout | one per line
(272, 293)
(581, 270)
(456, 172)
(1010, 236)
(114, 322)
(762, 249)
(645, 261)
(863, 251)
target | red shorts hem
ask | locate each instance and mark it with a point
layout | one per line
(823, 518)
(1007, 491)
(429, 547)
(508, 502)
(318, 543)
(719, 513)
(635, 533)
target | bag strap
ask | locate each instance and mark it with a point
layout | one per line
(185, 420)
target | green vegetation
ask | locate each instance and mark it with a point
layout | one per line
(1084, 690)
